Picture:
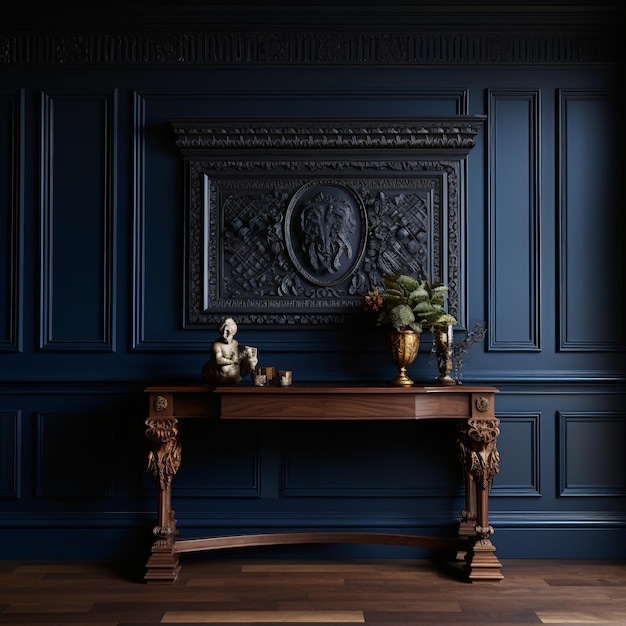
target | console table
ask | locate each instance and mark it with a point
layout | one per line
(472, 408)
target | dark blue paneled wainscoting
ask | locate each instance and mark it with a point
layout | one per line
(95, 279)
(74, 481)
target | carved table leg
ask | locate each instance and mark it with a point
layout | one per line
(163, 463)
(481, 462)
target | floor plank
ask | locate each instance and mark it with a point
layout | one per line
(278, 617)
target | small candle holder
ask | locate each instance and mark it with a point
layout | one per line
(270, 372)
(260, 377)
(285, 378)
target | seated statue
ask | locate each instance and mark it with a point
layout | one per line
(227, 365)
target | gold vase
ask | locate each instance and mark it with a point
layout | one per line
(442, 341)
(403, 346)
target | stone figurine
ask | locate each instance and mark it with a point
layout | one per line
(227, 365)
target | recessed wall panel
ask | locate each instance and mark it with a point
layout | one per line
(220, 460)
(11, 212)
(518, 445)
(591, 461)
(10, 454)
(514, 235)
(75, 456)
(78, 164)
(591, 195)
(382, 460)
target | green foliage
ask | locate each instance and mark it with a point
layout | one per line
(412, 304)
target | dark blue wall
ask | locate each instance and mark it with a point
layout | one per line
(91, 307)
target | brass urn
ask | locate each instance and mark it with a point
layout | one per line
(403, 346)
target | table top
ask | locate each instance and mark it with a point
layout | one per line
(320, 388)
(322, 401)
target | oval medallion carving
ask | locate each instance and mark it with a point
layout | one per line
(482, 403)
(160, 403)
(325, 232)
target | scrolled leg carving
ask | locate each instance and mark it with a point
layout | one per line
(163, 463)
(477, 449)
(164, 459)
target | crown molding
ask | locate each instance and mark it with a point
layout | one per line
(319, 49)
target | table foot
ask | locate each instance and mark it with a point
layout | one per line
(162, 566)
(482, 565)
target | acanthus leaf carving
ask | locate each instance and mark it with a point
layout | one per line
(165, 457)
(478, 453)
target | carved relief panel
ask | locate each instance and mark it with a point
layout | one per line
(292, 225)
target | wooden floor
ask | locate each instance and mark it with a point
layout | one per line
(380, 592)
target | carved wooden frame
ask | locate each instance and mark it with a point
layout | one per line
(292, 222)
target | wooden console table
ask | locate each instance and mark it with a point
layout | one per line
(471, 407)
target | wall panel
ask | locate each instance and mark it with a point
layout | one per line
(10, 454)
(11, 219)
(590, 197)
(75, 456)
(78, 206)
(591, 453)
(221, 460)
(373, 460)
(514, 221)
(519, 446)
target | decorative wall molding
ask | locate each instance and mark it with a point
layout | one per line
(412, 49)
(514, 184)
(10, 454)
(582, 207)
(292, 222)
(590, 459)
(138, 273)
(12, 218)
(232, 457)
(519, 430)
(349, 462)
(69, 440)
(103, 194)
